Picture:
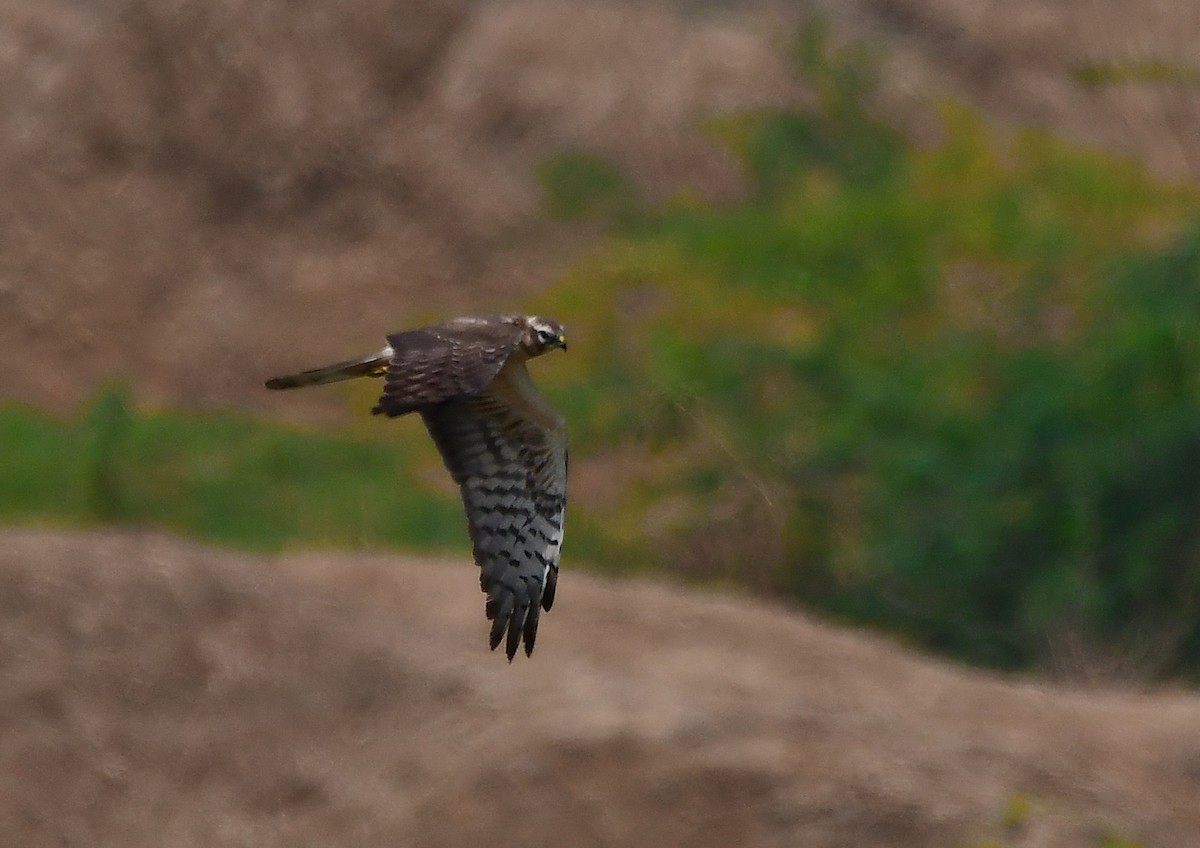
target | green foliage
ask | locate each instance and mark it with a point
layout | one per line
(966, 377)
(1017, 809)
(1139, 71)
(108, 424)
(223, 477)
(1113, 841)
(579, 185)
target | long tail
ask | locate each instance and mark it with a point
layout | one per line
(374, 365)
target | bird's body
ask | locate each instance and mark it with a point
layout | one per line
(503, 444)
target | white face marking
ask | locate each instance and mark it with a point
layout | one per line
(544, 332)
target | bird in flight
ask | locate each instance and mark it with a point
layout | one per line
(503, 444)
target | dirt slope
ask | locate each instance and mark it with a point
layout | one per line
(155, 692)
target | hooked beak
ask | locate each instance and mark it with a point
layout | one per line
(562, 342)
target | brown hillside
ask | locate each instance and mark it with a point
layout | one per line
(154, 692)
(192, 189)
(1022, 61)
(199, 194)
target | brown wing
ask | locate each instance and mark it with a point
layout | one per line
(444, 361)
(507, 450)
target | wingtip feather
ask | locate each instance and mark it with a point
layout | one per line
(529, 631)
(514, 634)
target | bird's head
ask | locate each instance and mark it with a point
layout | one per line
(542, 334)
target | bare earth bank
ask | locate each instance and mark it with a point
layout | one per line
(155, 692)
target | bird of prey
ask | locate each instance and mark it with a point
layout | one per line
(503, 444)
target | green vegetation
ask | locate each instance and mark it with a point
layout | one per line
(960, 386)
(223, 477)
(1022, 812)
(1017, 809)
(951, 392)
(579, 185)
(1113, 841)
(1148, 71)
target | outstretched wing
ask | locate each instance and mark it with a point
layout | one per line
(438, 363)
(507, 450)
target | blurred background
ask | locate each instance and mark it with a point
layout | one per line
(883, 392)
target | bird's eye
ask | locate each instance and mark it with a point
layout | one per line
(545, 336)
